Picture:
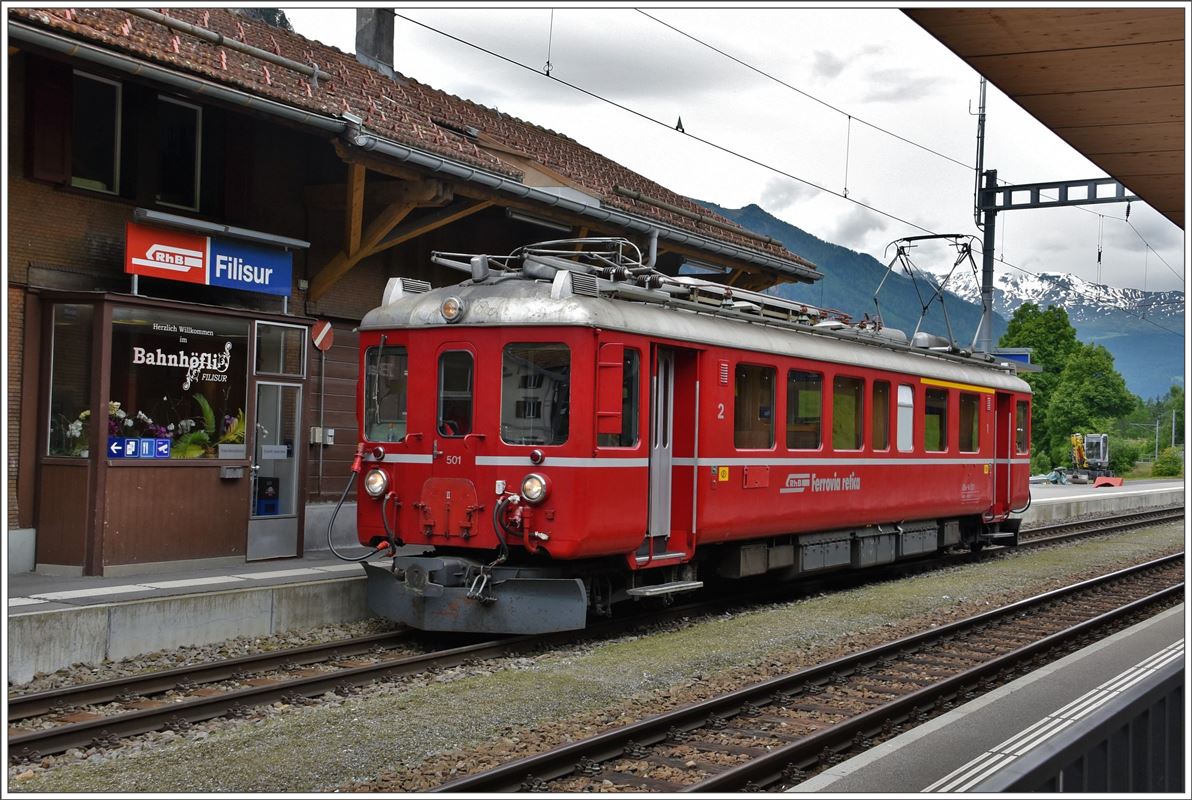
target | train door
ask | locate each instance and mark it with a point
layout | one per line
(449, 504)
(1003, 455)
(662, 405)
(673, 390)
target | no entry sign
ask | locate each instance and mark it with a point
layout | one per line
(322, 335)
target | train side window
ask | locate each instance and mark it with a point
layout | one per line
(804, 409)
(935, 427)
(385, 393)
(906, 418)
(970, 423)
(455, 393)
(630, 400)
(880, 434)
(1021, 422)
(753, 407)
(535, 393)
(848, 418)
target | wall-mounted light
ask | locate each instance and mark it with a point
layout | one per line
(215, 229)
(544, 223)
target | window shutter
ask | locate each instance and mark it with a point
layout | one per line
(49, 103)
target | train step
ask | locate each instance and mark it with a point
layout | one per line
(664, 588)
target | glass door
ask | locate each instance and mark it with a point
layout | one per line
(273, 511)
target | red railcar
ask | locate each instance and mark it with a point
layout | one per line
(567, 430)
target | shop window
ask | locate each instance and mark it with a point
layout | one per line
(880, 433)
(535, 393)
(906, 418)
(935, 425)
(970, 422)
(1022, 419)
(804, 410)
(180, 141)
(70, 428)
(455, 393)
(848, 420)
(179, 378)
(281, 349)
(387, 378)
(630, 400)
(95, 134)
(753, 407)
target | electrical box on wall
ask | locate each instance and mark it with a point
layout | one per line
(324, 436)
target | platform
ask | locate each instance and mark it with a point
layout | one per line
(55, 621)
(957, 750)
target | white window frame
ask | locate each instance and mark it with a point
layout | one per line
(115, 190)
(198, 153)
(257, 325)
(906, 419)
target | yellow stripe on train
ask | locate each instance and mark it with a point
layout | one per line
(954, 385)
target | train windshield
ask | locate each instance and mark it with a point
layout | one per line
(535, 393)
(385, 394)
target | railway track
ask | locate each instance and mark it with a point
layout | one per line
(775, 734)
(55, 721)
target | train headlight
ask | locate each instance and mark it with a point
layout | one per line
(535, 488)
(376, 482)
(452, 309)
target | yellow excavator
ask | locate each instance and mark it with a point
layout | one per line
(1090, 460)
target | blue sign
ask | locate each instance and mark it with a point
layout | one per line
(248, 267)
(115, 447)
(163, 448)
(145, 448)
(130, 448)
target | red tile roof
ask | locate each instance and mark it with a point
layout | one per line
(404, 111)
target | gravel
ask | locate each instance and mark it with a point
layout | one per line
(417, 732)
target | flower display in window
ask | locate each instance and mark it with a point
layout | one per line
(69, 437)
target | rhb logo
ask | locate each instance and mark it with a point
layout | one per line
(797, 482)
(175, 258)
(173, 255)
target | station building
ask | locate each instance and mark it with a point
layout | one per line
(200, 208)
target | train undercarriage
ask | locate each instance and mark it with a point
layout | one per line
(456, 591)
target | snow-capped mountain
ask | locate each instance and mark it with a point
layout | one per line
(1143, 330)
(1084, 301)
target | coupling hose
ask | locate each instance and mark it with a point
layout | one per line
(331, 524)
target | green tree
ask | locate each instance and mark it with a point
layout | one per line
(1089, 396)
(1169, 463)
(1052, 340)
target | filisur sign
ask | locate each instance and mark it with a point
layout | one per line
(208, 260)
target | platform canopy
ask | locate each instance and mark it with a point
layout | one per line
(1108, 81)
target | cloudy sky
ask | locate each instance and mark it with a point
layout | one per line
(873, 64)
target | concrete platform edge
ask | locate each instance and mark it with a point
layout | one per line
(50, 640)
(823, 781)
(1059, 509)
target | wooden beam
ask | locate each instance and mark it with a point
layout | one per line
(437, 219)
(378, 164)
(413, 196)
(354, 218)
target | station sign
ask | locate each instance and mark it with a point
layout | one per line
(207, 260)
